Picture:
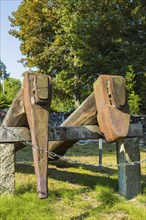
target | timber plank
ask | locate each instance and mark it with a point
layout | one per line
(7, 137)
(16, 116)
(65, 133)
(85, 114)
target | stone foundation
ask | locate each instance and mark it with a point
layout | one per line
(129, 176)
(7, 169)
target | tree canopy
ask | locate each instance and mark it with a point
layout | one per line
(76, 40)
(8, 87)
(133, 99)
(3, 71)
(11, 86)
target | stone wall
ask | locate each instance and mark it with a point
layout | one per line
(142, 119)
(57, 118)
(2, 115)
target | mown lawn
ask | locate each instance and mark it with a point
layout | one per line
(76, 191)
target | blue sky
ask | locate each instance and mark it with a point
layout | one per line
(9, 45)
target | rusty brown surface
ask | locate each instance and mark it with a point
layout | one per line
(85, 114)
(37, 100)
(112, 107)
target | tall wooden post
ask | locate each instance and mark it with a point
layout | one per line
(129, 176)
(37, 100)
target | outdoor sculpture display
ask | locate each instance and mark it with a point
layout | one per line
(104, 114)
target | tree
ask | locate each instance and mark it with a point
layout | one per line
(34, 27)
(3, 71)
(140, 89)
(3, 75)
(11, 88)
(133, 98)
(77, 40)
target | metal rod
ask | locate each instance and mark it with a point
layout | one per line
(100, 154)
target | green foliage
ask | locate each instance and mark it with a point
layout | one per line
(8, 87)
(75, 41)
(61, 101)
(131, 209)
(11, 87)
(25, 207)
(108, 198)
(140, 88)
(133, 98)
(34, 26)
(3, 71)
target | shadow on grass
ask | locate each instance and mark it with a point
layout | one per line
(90, 167)
(91, 149)
(24, 168)
(29, 187)
(82, 179)
(143, 182)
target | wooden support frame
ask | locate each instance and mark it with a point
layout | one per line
(128, 177)
(34, 98)
(74, 133)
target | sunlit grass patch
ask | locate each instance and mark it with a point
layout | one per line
(108, 197)
(27, 206)
(133, 211)
(76, 191)
(141, 198)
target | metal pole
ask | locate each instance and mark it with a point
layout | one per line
(100, 154)
(3, 81)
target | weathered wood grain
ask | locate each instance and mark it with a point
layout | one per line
(85, 114)
(16, 116)
(112, 106)
(65, 133)
(8, 137)
(37, 110)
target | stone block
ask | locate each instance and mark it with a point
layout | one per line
(7, 169)
(129, 176)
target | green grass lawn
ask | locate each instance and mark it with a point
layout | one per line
(76, 191)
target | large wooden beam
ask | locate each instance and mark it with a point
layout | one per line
(55, 134)
(67, 133)
(63, 133)
(15, 117)
(14, 134)
(85, 114)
